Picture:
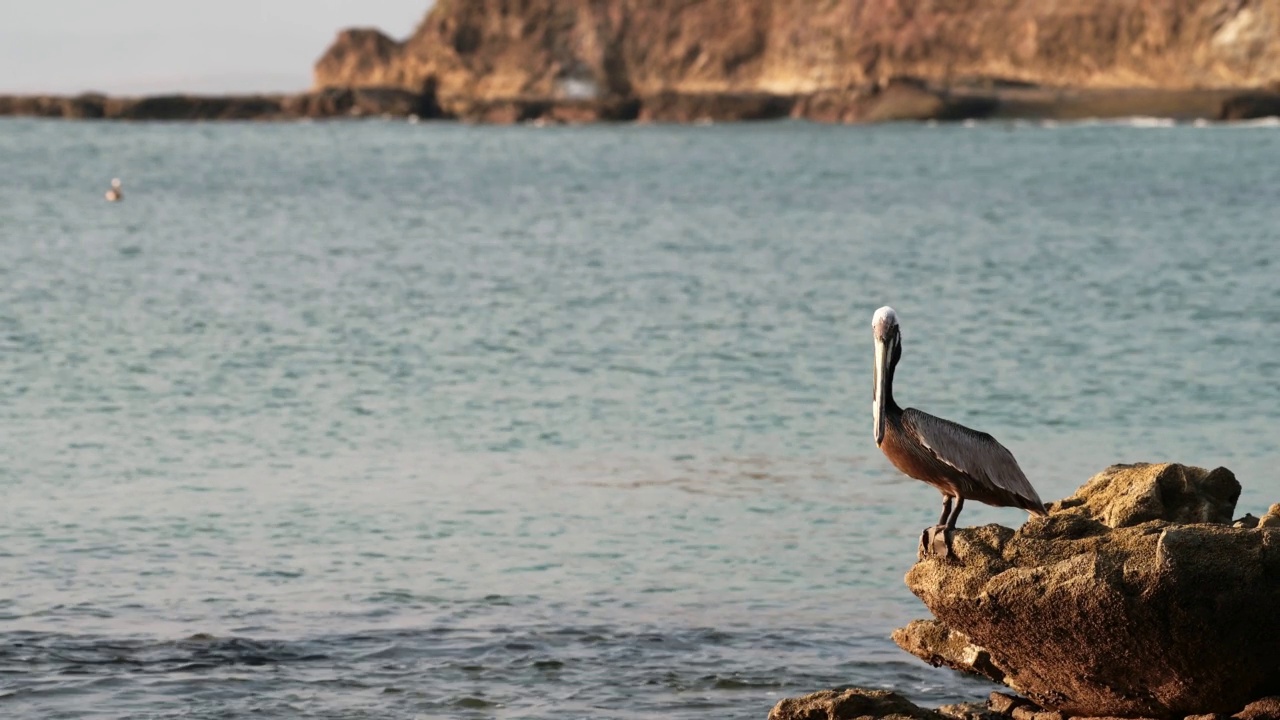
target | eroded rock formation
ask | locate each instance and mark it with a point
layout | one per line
(1135, 597)
(487, 51)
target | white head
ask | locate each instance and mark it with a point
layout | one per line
(888, 340)
(115, 183)
(884, 323)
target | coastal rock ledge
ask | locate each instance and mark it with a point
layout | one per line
(1136, 597)
(863, 704)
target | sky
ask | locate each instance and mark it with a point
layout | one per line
(195, 46)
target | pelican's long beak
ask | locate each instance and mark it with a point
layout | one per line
(877, 398)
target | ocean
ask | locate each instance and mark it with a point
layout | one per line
(380, 420)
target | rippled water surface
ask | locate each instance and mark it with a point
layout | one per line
(379, 420)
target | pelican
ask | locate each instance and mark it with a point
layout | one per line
(116, 193)
(963, 464)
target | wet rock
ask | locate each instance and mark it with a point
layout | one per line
(329, 103)
(894, 100)
(713, 107)
(1109, 606)
(850, 704)
(192, 107)
(363, 102)
(1267, 708)
(1249, 106)
(555, 111)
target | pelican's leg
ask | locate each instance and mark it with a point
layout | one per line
(946, 510)
(930, 535)
(950, 528)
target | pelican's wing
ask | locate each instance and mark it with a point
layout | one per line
(978, 456)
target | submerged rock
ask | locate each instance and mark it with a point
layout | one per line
(1111, 606)
(850, 704)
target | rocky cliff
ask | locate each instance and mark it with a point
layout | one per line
(826, 60)
(481, 52)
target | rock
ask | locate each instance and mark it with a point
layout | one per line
(1108, 607)
(362, 57)
(968, 711)
(1128, 495)
(191, 107)
(1248, 106)
(1029, 713)
(714, 107)
(1004, 703)
(570, 111)
(487, 50)
(1267, 708)
(331, 103)
(363, 102)
(1272, 518)
(850, 704)
(1248, 521)
(938, 644)
(1112, 718)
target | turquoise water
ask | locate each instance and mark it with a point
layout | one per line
(376, 420)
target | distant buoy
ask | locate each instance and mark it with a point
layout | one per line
(116, 193)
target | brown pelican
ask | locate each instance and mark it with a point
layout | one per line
(116, 193)
(963, 464)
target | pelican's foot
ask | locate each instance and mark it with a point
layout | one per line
(936, 542)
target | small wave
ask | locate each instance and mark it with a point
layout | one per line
(738, 683)
(473, 703)
(1149, 122)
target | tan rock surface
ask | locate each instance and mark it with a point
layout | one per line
(1143, 618)
(1128, 495)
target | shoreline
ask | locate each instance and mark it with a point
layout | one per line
(899, 100)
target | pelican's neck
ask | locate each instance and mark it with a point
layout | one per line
(890, 406)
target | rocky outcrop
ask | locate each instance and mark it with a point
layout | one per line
(332, 103)
(1135, 597)
(366, 54)
(487, 51)
(861, 704)
(1128, 495)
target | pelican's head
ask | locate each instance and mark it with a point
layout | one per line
(884, 328)
(884, 324)
(115, 182)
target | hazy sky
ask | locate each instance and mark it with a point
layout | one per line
(147, 46)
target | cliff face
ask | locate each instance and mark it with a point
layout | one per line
(489, 50)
